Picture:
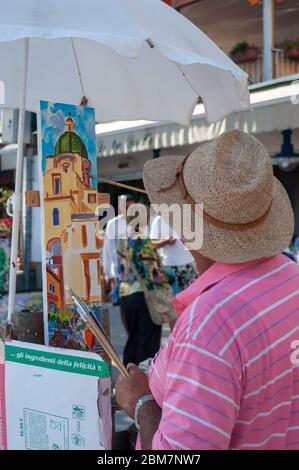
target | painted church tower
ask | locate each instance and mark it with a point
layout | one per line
(70, 202)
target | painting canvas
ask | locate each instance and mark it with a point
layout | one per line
(71, 248)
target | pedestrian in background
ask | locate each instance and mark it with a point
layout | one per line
(116, 228)
(136, 253)
(175, 257)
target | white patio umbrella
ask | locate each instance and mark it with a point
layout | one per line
(132, 59)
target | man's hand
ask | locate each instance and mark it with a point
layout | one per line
(129, 389)
(164, 242)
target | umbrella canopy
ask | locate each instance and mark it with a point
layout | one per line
(132, 59)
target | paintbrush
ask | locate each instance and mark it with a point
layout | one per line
(99, 333)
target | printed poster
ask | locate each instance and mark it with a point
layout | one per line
(71, 249)
(35, 414)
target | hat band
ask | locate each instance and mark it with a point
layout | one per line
(208, 218)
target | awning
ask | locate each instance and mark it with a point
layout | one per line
(273, 108)
(8, 155)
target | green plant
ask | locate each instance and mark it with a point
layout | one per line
(242, 47)
(4, 269)
(4, 196)
(60, 317)
(291, 43)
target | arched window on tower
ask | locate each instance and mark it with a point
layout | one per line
(55, 216)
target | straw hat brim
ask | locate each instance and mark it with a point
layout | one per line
(269, 238)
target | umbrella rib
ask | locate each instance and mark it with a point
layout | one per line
(187, 79)
(78, 68)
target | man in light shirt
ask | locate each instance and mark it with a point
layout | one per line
(116, 228)
(174, 255)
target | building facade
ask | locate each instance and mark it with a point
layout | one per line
(70, 202)
(81, 258)
(258, 35)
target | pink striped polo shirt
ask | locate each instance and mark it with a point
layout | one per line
(225, 379)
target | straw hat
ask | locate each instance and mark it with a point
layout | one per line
(246, 211)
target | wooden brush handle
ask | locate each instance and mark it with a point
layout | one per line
(109, 350)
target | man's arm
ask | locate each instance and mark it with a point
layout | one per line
(149, 417)
(160, 243)
(128, 392)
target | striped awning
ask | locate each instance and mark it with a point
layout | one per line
(273, 108)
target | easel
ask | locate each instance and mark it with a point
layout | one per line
(33, 199)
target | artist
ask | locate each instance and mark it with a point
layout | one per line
(225, 380)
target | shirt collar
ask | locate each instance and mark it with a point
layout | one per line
(210, 277)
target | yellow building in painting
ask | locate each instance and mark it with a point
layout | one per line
(70, 203)
(53, 291)
(81, 259)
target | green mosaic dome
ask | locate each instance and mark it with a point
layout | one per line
(70, 142)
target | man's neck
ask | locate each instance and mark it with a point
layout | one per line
(202, 263)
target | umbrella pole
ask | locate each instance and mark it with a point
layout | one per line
(17, 196)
